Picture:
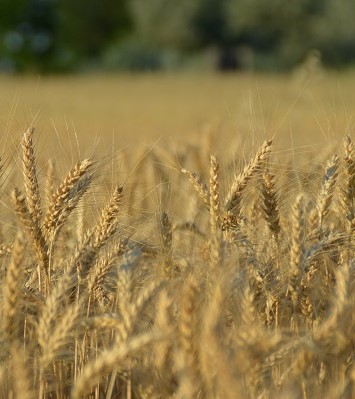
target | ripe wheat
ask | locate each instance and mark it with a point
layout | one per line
(250, 295)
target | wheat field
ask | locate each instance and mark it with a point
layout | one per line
(187, 271)
(302, 110)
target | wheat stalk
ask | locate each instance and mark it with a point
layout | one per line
(50, 181)
(108, 360)
(275, 317)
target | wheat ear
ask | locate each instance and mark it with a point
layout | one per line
(325, 197)
(334, 329)
(163, 322)
(100, 234)
(216, 239)
(77, 193)
(130, 311)
(107, 222)
(38, 241)
(296, 256)
(31, 180)
(12, 289)
(234, 196)
(349, 192)
(21, 377)
(200, 187)
(52, 307)
(187, 329)
(58, 334)
(97, 273)
(166, 235)
(63, 194)
(270, 202)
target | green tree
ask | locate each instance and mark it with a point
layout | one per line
(282, 33)
(87, 27)
(334, 32)
(165, 23)
(27, 33)
(187, 26)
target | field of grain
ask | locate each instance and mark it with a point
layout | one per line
(302, 110)
(203, 249)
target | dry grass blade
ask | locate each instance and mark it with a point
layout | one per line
(241, 180)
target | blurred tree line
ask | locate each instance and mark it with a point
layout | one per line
(76, 35)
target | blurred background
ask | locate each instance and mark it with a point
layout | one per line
(155, 70)
(57, 36)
